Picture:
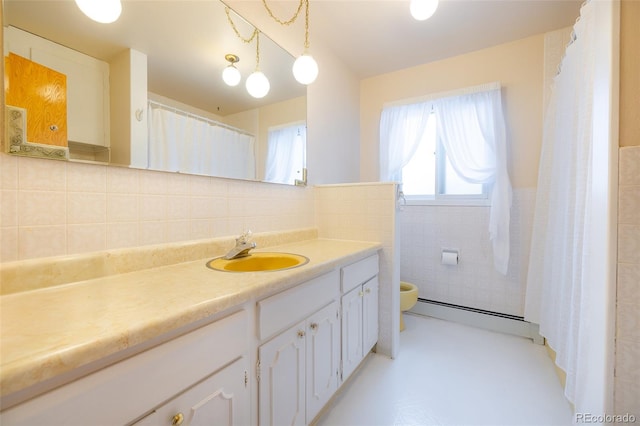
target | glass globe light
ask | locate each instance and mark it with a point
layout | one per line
(305, 69)
(103, 11)
(231, 75)
(423, 9)
(258, 85)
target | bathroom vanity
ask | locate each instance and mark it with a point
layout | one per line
(182, 343)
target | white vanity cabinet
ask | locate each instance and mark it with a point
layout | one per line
(222, 399)
(202, 379)
(298, 368)
(359, 284)
(271, 359)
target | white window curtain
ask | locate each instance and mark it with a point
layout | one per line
(401, 130)
(182, 142)
(559, 284)
(472, 130)
(470, 125)
(286, 153)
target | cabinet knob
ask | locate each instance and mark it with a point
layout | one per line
(314, 325)
(368, 291)
(177, 419)
(53, 127)
(301, 334)
(360, 294)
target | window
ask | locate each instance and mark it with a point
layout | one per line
(286, 153)
(468, 125)
(430, 176)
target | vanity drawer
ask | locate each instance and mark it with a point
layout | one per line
(278, 312)
(359, 272)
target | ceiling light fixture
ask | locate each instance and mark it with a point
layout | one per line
(103, 11)
(422, 10)
(230, 74)
(305, 68)
(257, 83)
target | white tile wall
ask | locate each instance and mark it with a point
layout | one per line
(627, 380)
(427, 230)
(367, 212)
(51, 208)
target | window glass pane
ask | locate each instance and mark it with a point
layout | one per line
(418, 176)
(454, 185)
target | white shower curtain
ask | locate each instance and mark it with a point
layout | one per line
(558, 283)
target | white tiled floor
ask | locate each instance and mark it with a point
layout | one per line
(452, 374)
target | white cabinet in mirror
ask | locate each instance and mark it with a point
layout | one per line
(112, 71)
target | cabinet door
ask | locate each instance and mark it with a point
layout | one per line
(87, 93)
(42, 92)
(370, 314)
(221, 399)
(281, 389)
(351, 331)
(323, 358)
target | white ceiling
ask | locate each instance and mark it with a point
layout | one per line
(370, 37)
(373, 37)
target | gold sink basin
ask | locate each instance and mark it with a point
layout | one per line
(257, 262)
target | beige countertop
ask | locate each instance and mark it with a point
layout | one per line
(52, 331)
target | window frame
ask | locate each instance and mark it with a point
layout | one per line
(439, 198)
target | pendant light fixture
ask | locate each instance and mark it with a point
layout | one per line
(257, 83)
(230, 74)
(305, 68)
(422, 10)
(103, 11)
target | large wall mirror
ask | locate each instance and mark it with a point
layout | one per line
(147, 92)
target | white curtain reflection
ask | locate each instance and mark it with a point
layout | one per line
(186, 143)
(286, 153)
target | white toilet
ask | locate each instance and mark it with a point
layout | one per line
(408, 298)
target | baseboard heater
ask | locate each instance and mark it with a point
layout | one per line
(489, 320)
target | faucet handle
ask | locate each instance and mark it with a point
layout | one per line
(245, 237)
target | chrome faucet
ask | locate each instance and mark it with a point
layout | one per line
(243, 245)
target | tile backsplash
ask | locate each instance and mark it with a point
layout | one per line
(53, 208)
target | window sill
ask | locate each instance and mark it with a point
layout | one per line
(466, 202)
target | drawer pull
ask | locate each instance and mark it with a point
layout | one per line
(177, 419)
(301, 334)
